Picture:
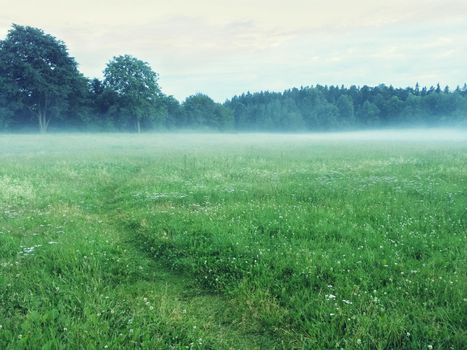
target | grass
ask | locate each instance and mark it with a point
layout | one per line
(231, 242)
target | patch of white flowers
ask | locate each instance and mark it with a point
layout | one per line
(12, 190)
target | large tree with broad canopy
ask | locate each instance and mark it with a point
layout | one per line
(37, 73)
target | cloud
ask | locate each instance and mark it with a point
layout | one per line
(223, 47)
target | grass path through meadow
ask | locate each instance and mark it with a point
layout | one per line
(73, 274)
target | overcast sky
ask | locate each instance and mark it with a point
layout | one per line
(225, 47)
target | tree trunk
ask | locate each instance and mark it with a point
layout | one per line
(43, 122)
(138, 126)
(39, 119)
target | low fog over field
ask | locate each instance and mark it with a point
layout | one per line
(11, 144)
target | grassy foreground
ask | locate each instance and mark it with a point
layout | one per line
(231, 242)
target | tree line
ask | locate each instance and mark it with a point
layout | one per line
(41, 87)
(333, 108)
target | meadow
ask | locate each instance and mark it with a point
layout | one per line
(221, 241)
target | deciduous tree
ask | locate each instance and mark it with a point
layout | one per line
(135, 84)
(37, 72)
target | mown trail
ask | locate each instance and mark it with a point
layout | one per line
(88, 282)
(176, 293)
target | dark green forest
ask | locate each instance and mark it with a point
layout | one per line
(41, 88)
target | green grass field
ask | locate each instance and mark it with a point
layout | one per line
(231, 242)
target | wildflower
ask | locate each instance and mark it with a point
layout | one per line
(29, 250)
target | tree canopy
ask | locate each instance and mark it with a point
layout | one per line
(40, 82)
(333, 107)
(200, 111)
(135, 87)
(37, 74)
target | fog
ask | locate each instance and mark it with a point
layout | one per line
(404, 135)
(76, 144)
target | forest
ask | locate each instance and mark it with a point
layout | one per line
(41, 88)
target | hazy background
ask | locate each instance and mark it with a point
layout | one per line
(223, 48)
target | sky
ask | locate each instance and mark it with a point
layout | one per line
(224, 47)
